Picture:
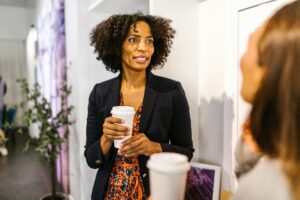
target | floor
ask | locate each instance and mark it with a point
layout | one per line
(23, 175)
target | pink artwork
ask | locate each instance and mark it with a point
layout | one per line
(203, 182)
(51, 67)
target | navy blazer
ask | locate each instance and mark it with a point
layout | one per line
(165, 119)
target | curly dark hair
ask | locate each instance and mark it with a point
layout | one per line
(108, 37)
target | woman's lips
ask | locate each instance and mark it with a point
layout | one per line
(140, 59)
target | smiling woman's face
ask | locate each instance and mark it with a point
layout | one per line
(137, 47)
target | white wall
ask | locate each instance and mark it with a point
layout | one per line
(76, 37)
(14, 22)
(217, 85)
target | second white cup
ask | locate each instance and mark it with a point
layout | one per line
(168, 175)
(127, 114)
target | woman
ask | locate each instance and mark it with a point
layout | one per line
(134, 45)
(271, 83)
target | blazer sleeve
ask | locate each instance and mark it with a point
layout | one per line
(180, 130)
(93, 153)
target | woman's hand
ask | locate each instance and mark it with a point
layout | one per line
(139, 145)
(112, 130)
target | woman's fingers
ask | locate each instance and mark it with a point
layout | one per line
(113, 135)
(116, 127)
(136, 153)
(132, 146)
(113, 130)
(113, 120)
(135, 145)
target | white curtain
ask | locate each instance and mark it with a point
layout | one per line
(12, 67)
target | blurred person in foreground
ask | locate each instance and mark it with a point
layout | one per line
(271, 83)
(133, 45)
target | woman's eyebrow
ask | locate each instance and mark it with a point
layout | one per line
(135, 35)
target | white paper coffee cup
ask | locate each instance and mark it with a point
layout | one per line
(127, 114)
(168, 175)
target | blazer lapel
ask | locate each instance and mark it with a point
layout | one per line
(148, 102)
(113, 97)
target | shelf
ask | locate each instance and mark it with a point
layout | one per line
(117, 6)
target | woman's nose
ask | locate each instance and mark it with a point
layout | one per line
(142, 45)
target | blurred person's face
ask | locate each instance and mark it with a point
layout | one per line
(252, 73)
(137, 47)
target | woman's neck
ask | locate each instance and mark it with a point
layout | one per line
(132, 80)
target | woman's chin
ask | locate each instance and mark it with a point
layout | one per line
(246, 97)
(139, 68)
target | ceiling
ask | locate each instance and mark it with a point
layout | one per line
(18, 3)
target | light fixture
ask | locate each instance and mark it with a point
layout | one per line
(32, 35)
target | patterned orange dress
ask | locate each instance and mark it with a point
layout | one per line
(125, 181)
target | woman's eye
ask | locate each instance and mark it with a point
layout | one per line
(150, 41)
(132, 39)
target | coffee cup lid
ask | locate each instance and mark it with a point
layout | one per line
(122, 110)
(168, 162)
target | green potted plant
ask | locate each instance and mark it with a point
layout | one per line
(53, 130)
